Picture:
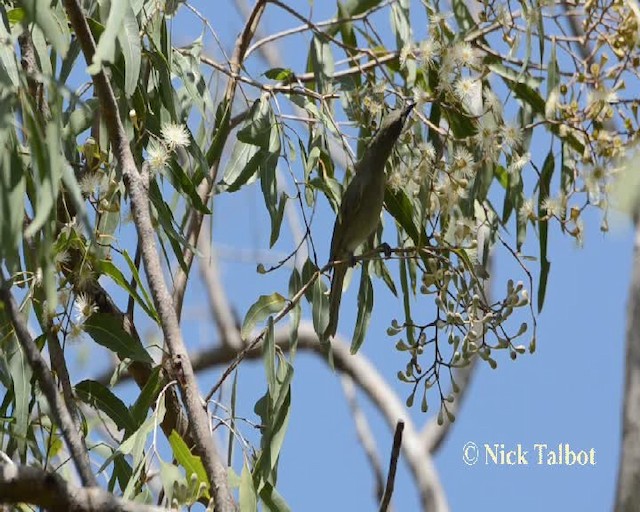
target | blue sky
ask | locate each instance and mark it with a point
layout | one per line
(569, 391)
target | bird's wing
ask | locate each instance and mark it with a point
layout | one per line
(349, 209)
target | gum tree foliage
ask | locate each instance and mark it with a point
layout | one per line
(489, 82)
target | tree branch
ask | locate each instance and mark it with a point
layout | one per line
(365, 436)
(393, 465)
(24, 484)
(136, 183)
(220, 309)
(59, 410)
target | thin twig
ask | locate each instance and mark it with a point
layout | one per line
(393, 464)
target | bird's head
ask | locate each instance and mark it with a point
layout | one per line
(390, 129)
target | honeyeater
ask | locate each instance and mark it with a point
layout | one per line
(361, 205)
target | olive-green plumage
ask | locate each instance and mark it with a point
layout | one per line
(361, 205)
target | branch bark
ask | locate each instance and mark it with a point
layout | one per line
(24, 484)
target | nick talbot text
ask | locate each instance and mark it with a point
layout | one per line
(542, 454)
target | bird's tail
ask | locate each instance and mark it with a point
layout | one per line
(335, 296)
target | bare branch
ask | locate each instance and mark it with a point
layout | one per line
(364, 434)
(59, 410)
(24, 484)
(220, 308)
(393, 465)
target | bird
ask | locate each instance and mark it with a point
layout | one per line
(361, 205)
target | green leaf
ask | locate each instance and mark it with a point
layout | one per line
(182, 183)
(567, 177)
(49, 161)
(147, 302)
(122, 471)
(258, 126)
(135, 443)
(231, 442)
(352, 8)
(8, 61)
(295, 283)
(400, 24)
(129, 40)
(161, 68)
(52, 20)
(75, 194)
(279, 74)
(248, 495)
(165, 217)
(220, 132)
(266, 305)
(12, 190)
(276, 219)
(321, 63)
(269, 358)
(401, 209)
(106, 330)
(274, 410)
(69, 60)
(543, 194)
(365, 306)
(269, 185)
(350, 41)
(106, 47)
(541, 34)
(319, 306)
(553, 76)
(463, 16)
(148, 395)
(512, 76)
(170, 477)
(190, 462)
(242, 168)
(21, 374)
(187, 67)
(100, 397)
(381, 270)
(406, 295)
(272, 499)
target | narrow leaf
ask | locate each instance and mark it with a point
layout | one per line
(100, 397)
(106, 330)
(266, 305)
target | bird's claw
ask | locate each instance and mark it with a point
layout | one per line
(386, 249)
